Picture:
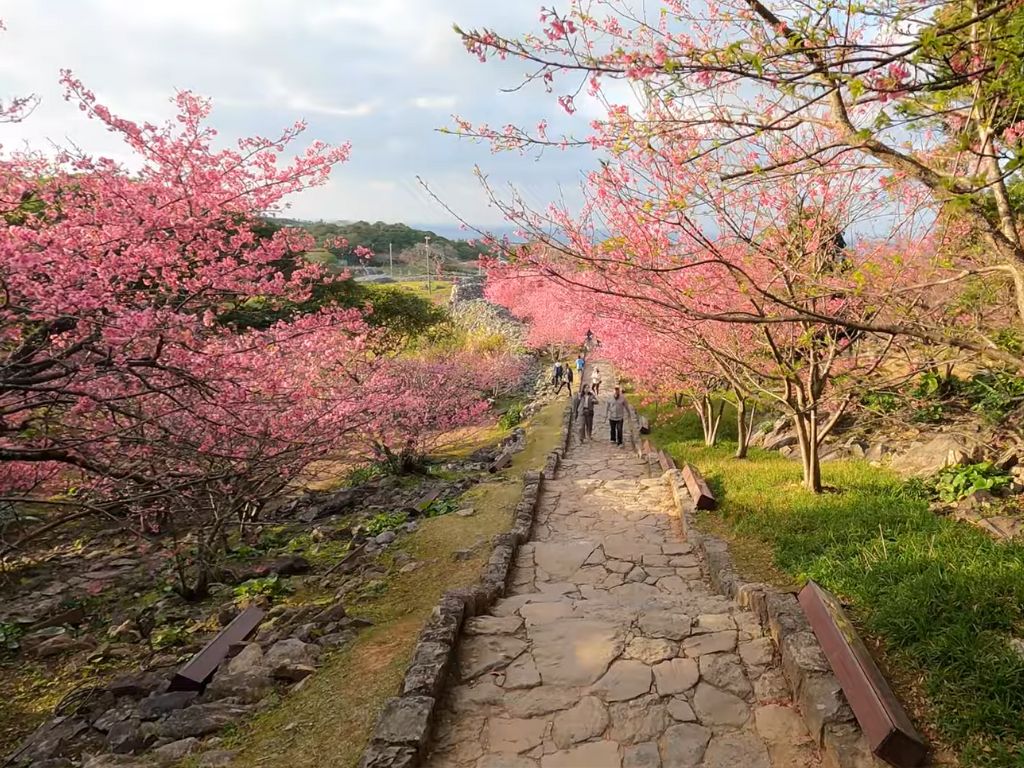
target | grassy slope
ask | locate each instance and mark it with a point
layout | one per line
(439, 293)
(328, 722)
(938, 599)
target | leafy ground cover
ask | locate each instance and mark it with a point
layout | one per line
(939, 600)
(329, 721)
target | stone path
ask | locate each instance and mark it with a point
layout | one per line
(611, 651)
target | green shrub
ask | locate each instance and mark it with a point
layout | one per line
(512, 416)
(365, 474)
(1010, 340)
(10, 636)
(271, 586)
(994, 394)
(244, 553)
(954, 483)
(384, 521)
(881, 401)
(168, 637)
(932, 413)
(933, 385)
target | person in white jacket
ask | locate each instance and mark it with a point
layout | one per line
(615, 410)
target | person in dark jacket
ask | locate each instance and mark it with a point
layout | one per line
(567, 378)
(585, 406)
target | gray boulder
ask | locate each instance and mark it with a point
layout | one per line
(197, 720)
(245, 677)
(127, 737)
(157, 704)
(290, 659)
(176, 750)
(51, 738)
(925, 459)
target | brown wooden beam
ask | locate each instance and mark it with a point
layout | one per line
(886, 726)
(200, 668)
(665, 461)
(698, 488)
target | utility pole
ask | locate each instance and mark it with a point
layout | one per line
(391, 259)
(426, 241)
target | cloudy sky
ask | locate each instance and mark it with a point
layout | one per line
(382, 74)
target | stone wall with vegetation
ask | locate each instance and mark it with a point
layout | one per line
(815, 689)
(403, 731)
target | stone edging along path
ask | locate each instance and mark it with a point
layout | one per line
(403, 730)
(815, 689)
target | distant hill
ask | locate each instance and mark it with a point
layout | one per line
(407, 242)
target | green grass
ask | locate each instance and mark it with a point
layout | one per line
(939, 599)
(439, 290)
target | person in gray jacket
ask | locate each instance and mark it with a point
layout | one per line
(615, 410)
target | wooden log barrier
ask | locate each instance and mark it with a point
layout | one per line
(200, 668)
(698, 488)
(886, 726)
(503, 460)
(665, 461)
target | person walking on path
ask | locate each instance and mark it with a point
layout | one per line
(580, 362)
(585, 412)
(556, 378)
(615, 410)
(566, 381)
(595, 381)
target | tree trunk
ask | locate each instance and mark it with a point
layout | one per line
(744, 426)
(806, 425)
(709, 420)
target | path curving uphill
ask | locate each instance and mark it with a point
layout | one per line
(611, 650)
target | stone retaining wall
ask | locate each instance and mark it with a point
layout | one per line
(402, 733)
(815, 689)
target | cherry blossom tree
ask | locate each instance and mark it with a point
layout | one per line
(925, 95)
(131, 384)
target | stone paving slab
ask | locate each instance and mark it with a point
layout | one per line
(611, 650)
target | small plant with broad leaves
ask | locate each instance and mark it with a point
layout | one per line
(931, 413)
(365, 474)
(10, 637)
(271, 586)
(881, 402)
(955, 483)
(384, 521)
(439, 507)
(168, 637)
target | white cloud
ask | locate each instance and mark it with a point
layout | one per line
(434, 102)
(383, 75)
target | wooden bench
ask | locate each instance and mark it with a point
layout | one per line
(886, 726)
(698, 488)
(200, 668)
